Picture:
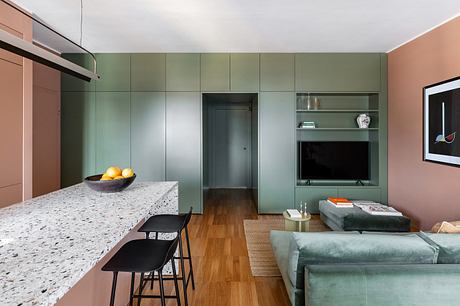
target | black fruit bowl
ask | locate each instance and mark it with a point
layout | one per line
(95, 183)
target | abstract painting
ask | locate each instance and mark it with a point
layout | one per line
(441, 120)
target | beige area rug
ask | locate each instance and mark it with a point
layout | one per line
(257, 232)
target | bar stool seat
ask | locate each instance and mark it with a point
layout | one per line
(139, 256)
(163, 224)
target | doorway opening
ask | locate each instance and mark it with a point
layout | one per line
(230, 145)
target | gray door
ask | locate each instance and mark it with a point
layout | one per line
(232, 148)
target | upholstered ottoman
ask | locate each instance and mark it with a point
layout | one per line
(354, 219)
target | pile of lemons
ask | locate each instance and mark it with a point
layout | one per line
(115, 173)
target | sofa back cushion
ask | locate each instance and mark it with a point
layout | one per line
(449, 247)
(321, 248)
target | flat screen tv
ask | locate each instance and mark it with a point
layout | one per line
(333, 160)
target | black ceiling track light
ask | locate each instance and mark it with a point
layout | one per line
(39, 54)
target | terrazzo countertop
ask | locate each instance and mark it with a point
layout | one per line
(47, 244)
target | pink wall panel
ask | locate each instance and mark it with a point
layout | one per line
(426, 191)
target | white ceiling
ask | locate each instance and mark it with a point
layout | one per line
(243, 25)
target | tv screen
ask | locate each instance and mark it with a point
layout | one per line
(338, 160)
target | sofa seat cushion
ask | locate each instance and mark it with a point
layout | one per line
(329, 248)
(354, 219)
(449, 247)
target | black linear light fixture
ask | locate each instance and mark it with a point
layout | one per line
(33, 52)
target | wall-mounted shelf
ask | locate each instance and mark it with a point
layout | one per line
(338, 111)
(338, 129)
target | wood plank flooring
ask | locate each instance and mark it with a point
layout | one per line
(220, 257)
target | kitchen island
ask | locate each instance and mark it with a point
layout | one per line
(52, 246)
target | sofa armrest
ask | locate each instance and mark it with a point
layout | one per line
(382, 285)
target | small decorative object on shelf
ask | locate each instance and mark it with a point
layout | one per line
(307, 125)
(363, 120)
(316, 103)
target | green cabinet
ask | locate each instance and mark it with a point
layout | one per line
(148, 72)
(244, 72)
(148, 135)
(112, 130)
(345, 72)
(78, 136)
(215, 72)
(276, 151)
(277, 72)
(312, 195)
(183, 146)
(183, 72)
(114, 70)
(360, 193)
(71, 83)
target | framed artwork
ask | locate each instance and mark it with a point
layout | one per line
(441, 122)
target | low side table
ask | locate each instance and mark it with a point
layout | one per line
(297, 224)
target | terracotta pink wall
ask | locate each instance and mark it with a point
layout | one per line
(16, 110)
(427, 192)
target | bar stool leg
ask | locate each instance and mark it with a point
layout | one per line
(131, 292)
(140, 290)
(114, 288)
(182, 266)
(190, 257)
(176, 285)
(162, 289)
(153, 280)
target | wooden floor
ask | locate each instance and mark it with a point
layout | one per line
(220, 257)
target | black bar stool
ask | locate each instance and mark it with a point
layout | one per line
(173, 224)
(144, 256)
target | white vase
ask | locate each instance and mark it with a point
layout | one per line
(363, 121)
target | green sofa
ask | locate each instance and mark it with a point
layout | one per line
(368, 269)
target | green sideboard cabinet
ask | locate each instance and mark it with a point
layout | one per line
(215, 72)
(183, 72)
(114, 70)
(276, 72)
(113, 144)
(337, 72)
(276, 151)
(148, 72)
(244, 72)
(183, 147)
(148, 127)
(78, 136)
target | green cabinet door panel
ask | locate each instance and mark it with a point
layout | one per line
(276, 72)
(148, 72)
(244, 72)
(183, 72)
(112, 130)
(148, 135)
(71, 83)
(114, 70)
(330, 72)
(276, 151)
(215, 72)
(358, 193)
(312, 195)
(78, 136)
(183, 146)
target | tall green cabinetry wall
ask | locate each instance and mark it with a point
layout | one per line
(146, 113)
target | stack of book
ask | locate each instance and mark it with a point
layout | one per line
(340, 202)
(377, 209)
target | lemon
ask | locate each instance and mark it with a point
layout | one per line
(127, 172)
(106, 178)
(118, 177)
(113, 172)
